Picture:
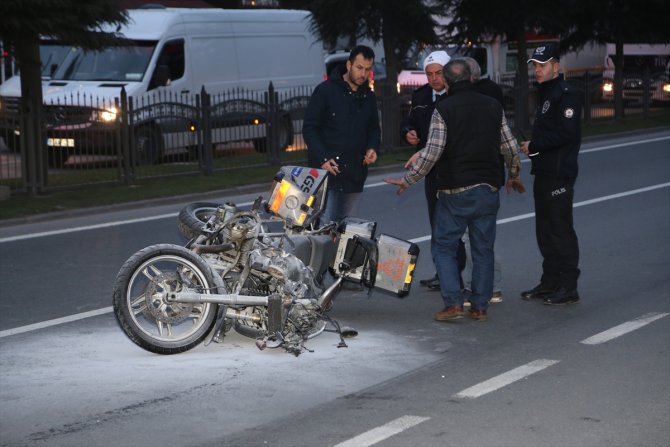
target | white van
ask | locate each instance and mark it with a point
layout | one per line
(173, 52)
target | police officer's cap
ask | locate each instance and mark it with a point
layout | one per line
(544, 53)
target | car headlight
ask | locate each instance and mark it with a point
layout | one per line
(608, 87)
(666, 88)
(106, 116)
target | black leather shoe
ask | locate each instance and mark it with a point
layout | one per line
(562, 296)
(435, 285)
(428, 282)
(539, 291)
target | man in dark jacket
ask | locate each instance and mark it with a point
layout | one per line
(414, 130)
(468, 133)
(341, 129)
(553, 150)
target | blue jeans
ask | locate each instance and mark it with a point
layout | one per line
(467, 271)
(475, 209)
(340, 205)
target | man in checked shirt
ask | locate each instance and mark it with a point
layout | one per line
(468, 134)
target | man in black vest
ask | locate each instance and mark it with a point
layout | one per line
(468, 133)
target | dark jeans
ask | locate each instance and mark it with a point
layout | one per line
(430, 189)
(555, 232)
(475, 209)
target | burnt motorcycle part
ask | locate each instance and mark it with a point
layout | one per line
(275, 317)
(217, 333)
(348, 332)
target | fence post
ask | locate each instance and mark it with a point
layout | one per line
(206, 129)
(646, 87)
(272, 130)
(587, 97)
(124, 149)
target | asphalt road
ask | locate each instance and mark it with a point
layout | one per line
(591, 374)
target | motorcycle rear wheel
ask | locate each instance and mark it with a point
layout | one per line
(193, 216)
(140, 307)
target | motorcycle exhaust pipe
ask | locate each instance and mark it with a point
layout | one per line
(326, 299)
(231, 299)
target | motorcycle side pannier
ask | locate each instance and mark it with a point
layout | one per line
(395, 266)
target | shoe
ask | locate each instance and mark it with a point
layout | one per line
(434, 286)
(427, 282)
(478, 314)
(496, 298)
(449, 313)
(562, 296)
(466, 303)
(539, 291)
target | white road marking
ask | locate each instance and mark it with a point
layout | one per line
(54, 322)
(504, 379)
(382, 432)
(371, 185)
(623, 328)
(578, 204)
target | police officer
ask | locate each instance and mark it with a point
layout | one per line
(553, 150)
(414, 129)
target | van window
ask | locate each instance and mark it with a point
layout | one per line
(169, 65)
(123, 63)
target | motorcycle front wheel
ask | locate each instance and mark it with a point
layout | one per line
(194, 216)
(141, 307)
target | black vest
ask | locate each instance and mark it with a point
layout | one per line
(472, 153)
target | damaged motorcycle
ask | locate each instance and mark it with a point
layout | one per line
(271, 273)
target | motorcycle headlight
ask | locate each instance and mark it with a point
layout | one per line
(608, 87)
(666, 88)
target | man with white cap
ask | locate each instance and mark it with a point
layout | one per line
(414, 129)
(553, 150)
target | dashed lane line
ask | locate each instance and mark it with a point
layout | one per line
(624, 328)
(382, 432)
(504, 379)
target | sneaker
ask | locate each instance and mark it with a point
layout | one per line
(466, 303)
(449, 313)
(539, 291)
(478, 314)
(496, 298)
(562, 296)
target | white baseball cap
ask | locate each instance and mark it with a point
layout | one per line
(436, 57)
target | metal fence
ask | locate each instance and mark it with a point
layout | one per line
(86, 140)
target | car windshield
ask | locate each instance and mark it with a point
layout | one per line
(51, 55)
(123, 63)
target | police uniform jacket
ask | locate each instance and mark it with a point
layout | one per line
(341, 124)
(419, 115)
(557, 131)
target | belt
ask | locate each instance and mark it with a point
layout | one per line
(465, 188)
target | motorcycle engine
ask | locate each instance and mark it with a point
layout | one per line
(287, 271)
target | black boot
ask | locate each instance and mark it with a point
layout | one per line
(561, 296)
(539, 291)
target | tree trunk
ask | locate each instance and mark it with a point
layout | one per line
(618, 78)
(34, 166)
(521, 118)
